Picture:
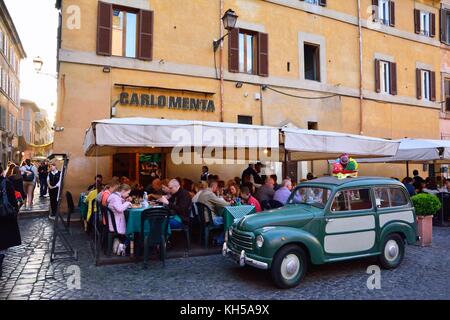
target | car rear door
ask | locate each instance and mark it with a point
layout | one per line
(349, 225)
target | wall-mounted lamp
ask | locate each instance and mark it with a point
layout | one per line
(239, 84)
(106, 69)
(229, 20)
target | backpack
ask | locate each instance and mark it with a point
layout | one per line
(6, 209)
(28, 177)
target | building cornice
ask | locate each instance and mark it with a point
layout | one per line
(92, 59)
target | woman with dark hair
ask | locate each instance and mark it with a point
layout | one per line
(431, 186)
(9, 229)
(16, 180)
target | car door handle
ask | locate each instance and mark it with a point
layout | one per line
(327, 220)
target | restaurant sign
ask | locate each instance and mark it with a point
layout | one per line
(162, 101)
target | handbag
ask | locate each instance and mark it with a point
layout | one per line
(6, 209)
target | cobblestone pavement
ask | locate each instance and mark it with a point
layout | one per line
(28, 274)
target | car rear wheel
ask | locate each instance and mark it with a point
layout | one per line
(392, 251)
(289, 266)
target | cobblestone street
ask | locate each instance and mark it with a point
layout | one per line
(28, 274)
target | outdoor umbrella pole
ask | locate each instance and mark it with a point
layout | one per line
(407, 168)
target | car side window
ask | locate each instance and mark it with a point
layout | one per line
(352, 200)
(387, 197)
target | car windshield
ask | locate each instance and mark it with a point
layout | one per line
(315, 196)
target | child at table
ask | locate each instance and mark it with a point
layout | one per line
(248, 199)
(119, 202)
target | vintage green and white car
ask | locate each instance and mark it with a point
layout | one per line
(326, 220)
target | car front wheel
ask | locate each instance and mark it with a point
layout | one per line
(289, 266)
(392, 251)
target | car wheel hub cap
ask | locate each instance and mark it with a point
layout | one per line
(290, 266)
(391, 250)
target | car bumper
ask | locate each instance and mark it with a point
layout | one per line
(243, 259)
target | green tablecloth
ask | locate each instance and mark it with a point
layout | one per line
(134, 222)
(231, 213)
(83, 206)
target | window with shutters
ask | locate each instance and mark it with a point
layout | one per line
(124, 33)
(424, 23)
(426, 84)
(447, 94)
(445, 26)
(312, 61)
(385, 77)
(248, 52)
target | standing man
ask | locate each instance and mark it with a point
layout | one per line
(43, 173)
(53, 182)
(205, 174)
(30, 177)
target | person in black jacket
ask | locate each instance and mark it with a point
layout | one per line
(9, 229)
(17, 181)
(179, 204)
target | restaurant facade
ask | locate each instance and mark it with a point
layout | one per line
(327, 65)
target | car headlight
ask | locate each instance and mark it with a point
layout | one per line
(259, 241)
(230, 232)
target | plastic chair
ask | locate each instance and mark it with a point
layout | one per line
(70, 207)
(187, 231)
(158, 220)
(206, 226)
(111, 234)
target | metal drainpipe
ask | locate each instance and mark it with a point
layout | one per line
(222, 84)
(361, 98)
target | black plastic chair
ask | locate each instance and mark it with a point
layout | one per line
(111, 234)
(94, 210)
(207, 225)
(275, 204)
(70, 207)
(187, 232)
(158, 220)
(265, 205)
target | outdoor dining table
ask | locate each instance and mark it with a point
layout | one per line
(133, 217)
(231, 213)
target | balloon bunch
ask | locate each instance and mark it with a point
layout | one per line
(345, 167)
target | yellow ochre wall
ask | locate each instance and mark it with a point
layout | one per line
(183, 59)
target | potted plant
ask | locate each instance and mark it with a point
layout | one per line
(426, 206)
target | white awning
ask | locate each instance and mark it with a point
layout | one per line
(324, 145)
(417, 150)
(106, 137)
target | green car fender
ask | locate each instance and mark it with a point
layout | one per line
(277, 237)
(408, 231)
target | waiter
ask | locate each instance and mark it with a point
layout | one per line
(53, 182)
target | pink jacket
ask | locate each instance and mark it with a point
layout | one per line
(118, 206)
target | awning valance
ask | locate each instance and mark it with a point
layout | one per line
(417, 151)
(105, 136)
(323, 145)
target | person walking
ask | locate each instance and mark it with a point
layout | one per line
(9, 229)
(16, 180)
(30, 175)
(43, 173)
(53, 182)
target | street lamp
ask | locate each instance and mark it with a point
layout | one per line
(38, 63)
(229, 20)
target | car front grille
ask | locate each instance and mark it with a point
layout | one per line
(242, 240)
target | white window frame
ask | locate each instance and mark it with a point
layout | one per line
(385, 77)
(383, 12)
(425, 18)
(425, 76)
